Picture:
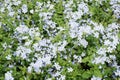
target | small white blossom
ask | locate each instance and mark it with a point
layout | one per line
(49, 79)
(96, 78)
(8, 76)
(8, 57)
(37, 65)
(57, 66)
(83, 54)
(46, 60)
(117, 72)
(23, 52)
(62, 77)
(84, 43)
(29, 69)
(24, 8)
(56, 74)
(16, 3)
(101, 60)
(96, 34)
(113, 57)
(70, 69)
(7, 1)
(102, 51)
(62, 46)
(22, 29)
(83, 6)
(32, 11)
(28, 43)
(4, 45)
(79, 59)
(2, 9)
(9, 8)
(34, 32)
(11, 14)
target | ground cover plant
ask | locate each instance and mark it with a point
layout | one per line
(59, 39)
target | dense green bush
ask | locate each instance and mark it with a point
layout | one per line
(59, 40)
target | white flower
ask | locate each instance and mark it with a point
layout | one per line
(101, 59)
(8, 76)
(11, 66)
(4, 45)
(22, 29)
(28, 43)
(51, 6)
(24, 8)
(34, 32)
(70, 69)
(87, 29)
(113, 1)
(83, 42)
(16, 3)
(117, 72)
(96, 78)
(115, 40)
(76, 15)
(57, 66)
(116, 9)
(46, 60)
(97, 27)
(11, 14)
(79, 59)
(96, 34)
(32, 11)
(57, 74)
(24, 37)
(2, 9)
(72, 35)
(39, 4)
(29, 69)
(62, 77)
(110, 49)
(37, 65)
(75, 56)
(83, 6)
(83, 54)
(113, 57)
(8, 57)
(107, 42)
(74, 25)
(102, 51)
(7, 1)
(62, 47)
(37, 47)
(49, 79)
(9, 8)
(100, 67)
(22, 52)
(0, 23)
(113, 26)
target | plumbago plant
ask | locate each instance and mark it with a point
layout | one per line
(59, 39)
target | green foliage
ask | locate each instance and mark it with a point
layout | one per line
(84, 70)
(102, 13)
(58, 16)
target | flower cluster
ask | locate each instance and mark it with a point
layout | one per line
(59, 39)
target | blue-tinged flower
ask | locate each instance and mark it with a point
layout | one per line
(70, 69)
(24, 8)
(96, 78)
(8, 76)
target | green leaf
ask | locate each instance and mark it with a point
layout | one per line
(86, 74)
(97, 73)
